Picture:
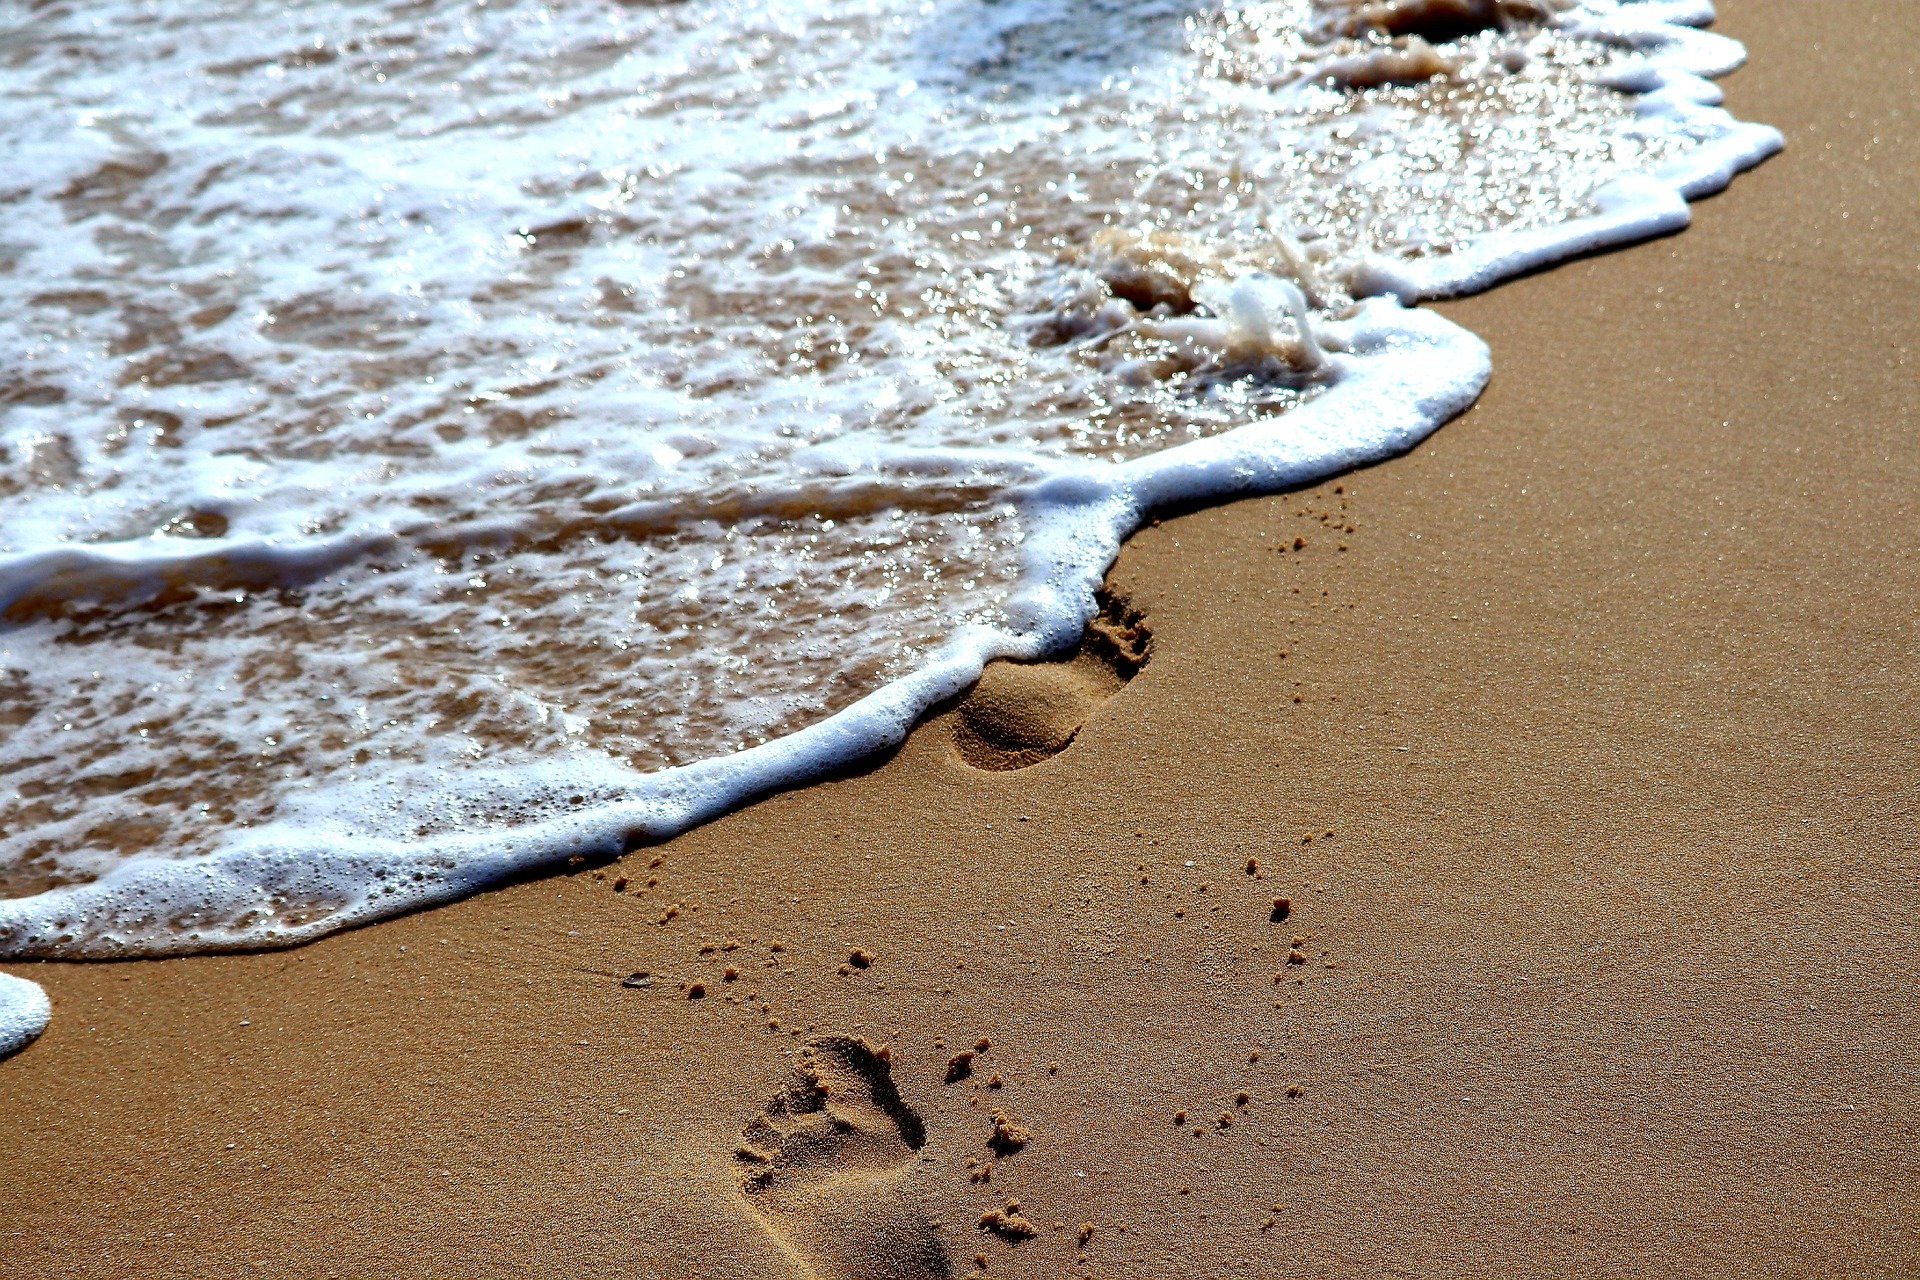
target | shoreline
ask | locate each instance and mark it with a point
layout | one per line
(1404, 372)
(1607, 704)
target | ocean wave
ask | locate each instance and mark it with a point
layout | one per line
(438, 444)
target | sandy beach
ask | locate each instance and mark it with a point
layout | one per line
(1504, 861)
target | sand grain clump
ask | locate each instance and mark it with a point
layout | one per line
(1008, 1135)
(1009, 1223)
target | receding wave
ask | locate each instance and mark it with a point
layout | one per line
(438, 441)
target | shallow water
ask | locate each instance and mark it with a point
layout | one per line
(440, 438)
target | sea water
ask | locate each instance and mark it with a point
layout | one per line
(438, 439)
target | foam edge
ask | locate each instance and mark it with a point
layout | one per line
(24, 1013)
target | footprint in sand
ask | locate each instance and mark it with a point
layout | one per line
(824, 1166)
(1020, 713)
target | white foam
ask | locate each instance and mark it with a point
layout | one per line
(950, 511)
(24, 1013)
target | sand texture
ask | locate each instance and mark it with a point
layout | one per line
(1518, 876)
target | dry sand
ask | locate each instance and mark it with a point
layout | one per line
(1607, 965)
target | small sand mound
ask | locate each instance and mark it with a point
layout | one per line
(1009, 1223)
(1008, 1135)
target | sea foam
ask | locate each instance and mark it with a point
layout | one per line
(442, 443)
(24, 1013)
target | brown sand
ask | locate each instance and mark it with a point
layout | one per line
(1609, 963)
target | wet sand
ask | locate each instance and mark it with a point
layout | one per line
(1601, 725)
